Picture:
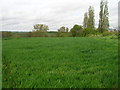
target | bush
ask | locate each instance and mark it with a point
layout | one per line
(39, 34)
(89, 32)
(6, 34)
(65, 34)
(16, 36)
(113, 37)
(106, 33)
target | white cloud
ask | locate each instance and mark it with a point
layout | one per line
(23, 14)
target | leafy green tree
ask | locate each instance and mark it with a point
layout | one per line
(63, 29)
(41, 27)
(104, 17)
(91, 21)
(76, 30)
(100, 28)
(63, 32)
(40, 30)
(85, 22)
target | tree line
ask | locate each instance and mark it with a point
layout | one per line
(88, 23)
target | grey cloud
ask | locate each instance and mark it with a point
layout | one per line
(23, 14)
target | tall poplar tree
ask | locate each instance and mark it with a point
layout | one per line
(85, 22)
(91, 20)
(100, 28)
(104, 16)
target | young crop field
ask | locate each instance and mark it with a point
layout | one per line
(60, 62)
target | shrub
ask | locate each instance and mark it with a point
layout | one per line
(6, 34)
(38, 34)
(113, 37)
(106, 33)
(59, 34)
(89, 32)
(16, 36)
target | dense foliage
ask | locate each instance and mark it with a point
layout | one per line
(76, 30)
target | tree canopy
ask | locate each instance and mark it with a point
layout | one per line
(76, 30)
(63, 29)
(41, 27)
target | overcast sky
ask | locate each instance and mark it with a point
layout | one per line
(23, 14)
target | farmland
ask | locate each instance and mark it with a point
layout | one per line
(78, 62)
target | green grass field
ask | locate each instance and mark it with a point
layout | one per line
(60, 63)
